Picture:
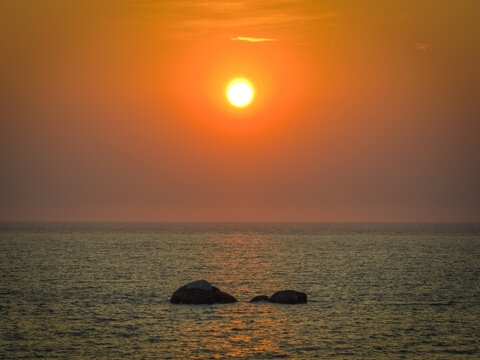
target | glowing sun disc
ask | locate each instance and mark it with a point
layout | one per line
(239, 93)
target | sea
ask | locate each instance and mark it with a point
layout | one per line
(375, 291)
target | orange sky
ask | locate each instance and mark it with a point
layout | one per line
(116, 110)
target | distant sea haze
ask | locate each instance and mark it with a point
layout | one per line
(375, 291)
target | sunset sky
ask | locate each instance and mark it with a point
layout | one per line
(116, 110)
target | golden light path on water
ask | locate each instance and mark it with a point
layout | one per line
(245, 330)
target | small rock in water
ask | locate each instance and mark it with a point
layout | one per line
(288, 297)
(259, 298)
(201, 292)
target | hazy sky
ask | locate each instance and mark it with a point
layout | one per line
(116, 110)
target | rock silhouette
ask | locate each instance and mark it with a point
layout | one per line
(221, 297)
(201, 292)
(288, 297)
(259, 298)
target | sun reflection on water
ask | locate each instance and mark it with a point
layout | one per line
(245, 268)
(243, 331)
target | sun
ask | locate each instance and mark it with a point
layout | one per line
(240, 93)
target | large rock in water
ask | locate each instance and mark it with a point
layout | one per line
(201, 292)
(288, 297)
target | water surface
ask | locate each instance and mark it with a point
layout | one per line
(90, 291)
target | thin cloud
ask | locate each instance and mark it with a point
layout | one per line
(250, 39)
(222, 6)
(198, 18)
(423, 46)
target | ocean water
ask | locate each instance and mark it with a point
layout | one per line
(375, 291)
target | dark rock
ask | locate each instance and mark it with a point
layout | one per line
(222, 297)
(200, 292)
(288, 297)
(259, 298)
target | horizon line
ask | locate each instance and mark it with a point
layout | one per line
(243, 221)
